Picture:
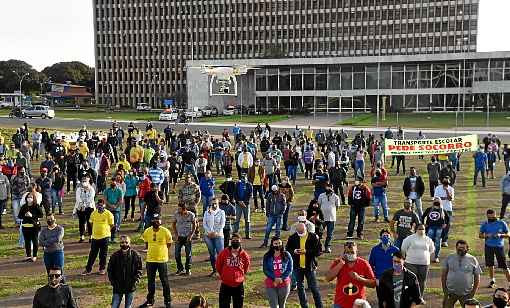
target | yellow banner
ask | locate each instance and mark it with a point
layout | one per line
(460, 144)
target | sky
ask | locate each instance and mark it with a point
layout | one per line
(46, 32)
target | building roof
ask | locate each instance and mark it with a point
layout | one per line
(59, 90)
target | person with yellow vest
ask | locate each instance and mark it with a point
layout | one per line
(245, 160)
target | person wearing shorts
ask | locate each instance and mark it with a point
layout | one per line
(494, 231)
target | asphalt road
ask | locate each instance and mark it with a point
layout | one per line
(217, 128)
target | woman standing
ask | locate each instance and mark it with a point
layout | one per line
(30, 213)
(277, 266)
(57, 190)
(84, 206)
(51, 239)
(131, 181)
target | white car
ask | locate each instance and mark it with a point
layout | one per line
(168, 115)
(193, 113)
(229, 111)
(143, 107)
(4, 104)
(39, 111)
(209, 111)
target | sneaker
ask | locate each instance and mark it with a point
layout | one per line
(360, 237)
(492, 284)
(349, 237)
(168, 305)
(376, 219)
(327, 250)
(444, 244)
(102, 272)
(85, 273)
(263, 245)
(188, 273)
(212, 274)
(146, 305)
(436, 260)
(179, 272)
(386, 220)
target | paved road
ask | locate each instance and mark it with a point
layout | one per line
(217, 128)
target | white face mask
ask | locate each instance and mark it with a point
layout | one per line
(301, 218)
(301, 234)
(30, 200)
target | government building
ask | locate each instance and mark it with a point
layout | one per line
(309, 55)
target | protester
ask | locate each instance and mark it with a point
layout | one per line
(287, 190)
(359, 198)
(398, 286)
(183, 225)
(230, 216)
(433, 169)
(5, 193)
(243, 193)
(114, 198)
(305, 247)
(54, 292)
(505, 194)
(29, 214)
(406, 220)
(158, 241)
(353, 274)
(413, 190)
(417, 249)
(379, 198)
(51, 239)
(480, 158)
(214, 222)
(124, 273)
(277, 266)
(198, 302)
(446, 193)
(232, 265)
(276, 205)
(500, 299)
(435, 220)
(381, 255)
(83, 208)
(460, 276)
(329, 202)
(102, 223)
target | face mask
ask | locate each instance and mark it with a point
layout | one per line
(50, 222)
(277, 248)
(491, 219)
(301, 218)
(445, 183)
(385, 239)
(461, 252)
(124, 247)
(100, 209)
(407, 206)
(397, 268)
(235, 244)
(437, 204)
(30, 200)
(420, 232)
(112, 186)
(301, 234)
(350, 257)
(499, 302)
(155, 224)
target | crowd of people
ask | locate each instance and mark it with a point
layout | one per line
(140, 168)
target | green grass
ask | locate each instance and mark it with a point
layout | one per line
(93, 113)
(430, 120)
(246, 118)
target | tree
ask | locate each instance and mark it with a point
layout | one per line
(75, 72)
(9, 81)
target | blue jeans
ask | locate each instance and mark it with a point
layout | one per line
(183, 242)
(15, 210)
(271, 221)
(206, 201)
(258, 190)
(285, 225)
(301, 274)
(117, 299)
(291, 172)
(214, 246)
(434, 232)
(52, 259)
(359, 168)
(383, 201)
(56, 200)
(117, 219)
(245, 213)
(330, 227)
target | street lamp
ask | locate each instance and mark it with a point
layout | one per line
(20, 77)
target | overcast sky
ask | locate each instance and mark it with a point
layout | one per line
(45, 32)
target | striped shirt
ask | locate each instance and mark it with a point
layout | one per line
(157, 175)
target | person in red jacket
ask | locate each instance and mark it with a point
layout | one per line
(143, 188)
(232, 265)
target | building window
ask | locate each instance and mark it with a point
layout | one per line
(346, 77)
(261, 103)
(296, 103)
(284, 79)
(261, 81)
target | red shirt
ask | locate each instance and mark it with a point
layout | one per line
(347, 289)
(277, 269)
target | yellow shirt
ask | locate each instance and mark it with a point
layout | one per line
(309, 134)
(101, 224)
(256, 179)
(245, 161)
(125, 164)
(302, 258)
(442, 157)
(151, 133)
(157, 244)
(84, 150)
(136, 154)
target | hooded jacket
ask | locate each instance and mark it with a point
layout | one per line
(232, 270)
(124, 271)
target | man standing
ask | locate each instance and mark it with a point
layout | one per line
(505, 194)
(480, 158)
(329, 203)
(189, 194)
(113, 199)
(379, 184)
(398, 286)
(446, 193)
(494, 231)
(353, 274)
(45, 183)
(338, 178)
(275, 208)
(233, 264)
(124, 272)
(184, 226)
(54, 292)
(242, 197)
(206, 184)
(381, 255)
(256, 176)
(406, 220)
(414, 189)
(157, 240)
(19, 186)
(305, 248)
(102, 222)
(359, 197)
(245, 160)
(230, 216)
(5, 192)
(433, 169)
(460, 276)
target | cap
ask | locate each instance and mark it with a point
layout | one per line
(156, 216)
(274, 188)
(44, 170)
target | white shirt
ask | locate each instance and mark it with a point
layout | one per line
(329, 204)
(331, 159)
(417, 249)
(440, 192)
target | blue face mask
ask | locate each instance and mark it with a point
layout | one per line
(398, 267)
(385, 239)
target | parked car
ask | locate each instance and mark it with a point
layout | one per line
(168, 115)
(39, 111)
(4, 104)
(229, 110)
(193, 113)
(209, 111)
(143, 107)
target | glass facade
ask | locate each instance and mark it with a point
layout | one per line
(405, 86)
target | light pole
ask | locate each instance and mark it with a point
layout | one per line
(20, 77)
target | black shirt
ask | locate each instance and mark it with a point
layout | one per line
(60, 297)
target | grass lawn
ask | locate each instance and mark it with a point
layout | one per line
(247, 118)
(430, 120)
